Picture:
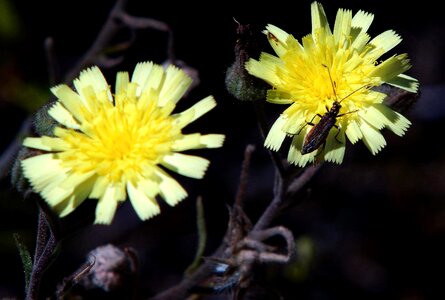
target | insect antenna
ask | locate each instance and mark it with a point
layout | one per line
(348, 95)
(332, 83)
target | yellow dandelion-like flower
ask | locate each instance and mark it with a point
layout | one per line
(108, 147)
(332, 74)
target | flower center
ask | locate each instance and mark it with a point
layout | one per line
(120, 142)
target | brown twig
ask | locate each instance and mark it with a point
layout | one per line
(244, 175)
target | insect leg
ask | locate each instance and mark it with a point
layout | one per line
(309, 123)
(338, 132)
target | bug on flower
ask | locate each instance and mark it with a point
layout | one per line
(317, 136)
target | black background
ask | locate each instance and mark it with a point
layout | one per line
(377, 222)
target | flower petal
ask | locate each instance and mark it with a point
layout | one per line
(294, 156)
(372, 138)
(391, 67)
(175, 85)
(404, 82)
(63, 116)
(197, 141)
(342, 27)
(92, 78)
(148, 76)
(196, 111)
(122, 81)
(170, 189)
(277, 38)
(46, 143)
(335, 146)
(265, 68)
(43, 171)
(319, 19)
(385, 41)
(106, 206)
(71, 100)
(362, 20)
(353, 132)
(187, 165)
(144, 206)
(276, 135)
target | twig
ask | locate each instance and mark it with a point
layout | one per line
(53, 72)
(282, 192)
(244, 175)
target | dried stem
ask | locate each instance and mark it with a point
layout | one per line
(53, 72)
(244, 175)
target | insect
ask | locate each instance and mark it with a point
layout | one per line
(318, 134)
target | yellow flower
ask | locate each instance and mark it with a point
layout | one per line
(110, 146)
(328, 67)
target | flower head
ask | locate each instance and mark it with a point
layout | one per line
(326, 69)
(110, 146)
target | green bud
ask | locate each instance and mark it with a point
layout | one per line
(43, 123)
(17, 179)
(239, 83)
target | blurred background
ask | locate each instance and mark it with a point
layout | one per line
(371, 228)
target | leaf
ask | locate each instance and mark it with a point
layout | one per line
(25, 256)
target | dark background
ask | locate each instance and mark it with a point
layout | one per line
(376, 223)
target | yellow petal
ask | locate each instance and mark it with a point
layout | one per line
(175, 85)
(265, 68)
(335, 146)
(46, 143)
(385, 41)
(318, 18)
(106, 206)
(391, 67)
(362, 20)
(372, 138)
(196, 111)
(353, 132)
(63, 116)
(196, 141)
(294, 156)
(187, 165)
(71, 101)
(43, 170)
(149, 186)
(277, 38)
(144, 206)
(79, 194)
(404, 82)
(342, 27)
(276, 135)
(92, 78)
(170, 189)
(122, 81)
(148, 76)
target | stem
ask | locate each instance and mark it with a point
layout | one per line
(45, 248)
(273, 208)
(282, 194)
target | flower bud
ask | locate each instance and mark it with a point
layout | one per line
(239, 83)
